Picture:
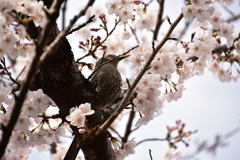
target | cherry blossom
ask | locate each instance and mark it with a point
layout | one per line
(18, 141)
(213, 66)
(77, 115)
(237, 46)
(41, 99)
(112, 6)
(140, 101)
(216, 20)
(86, 109)
(22, 124)
(125, 14)
(126, 35)
(189, 11)
(120, 155)
(226, 30)
(30, 109)
(129, 147)
(222, 75)
(175, 95)
(18, 154)
(174, 63)
(4, 92)
(54, 136)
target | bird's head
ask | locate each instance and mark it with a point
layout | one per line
(112, 59)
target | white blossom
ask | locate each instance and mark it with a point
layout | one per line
(129, 147)
(120, 155)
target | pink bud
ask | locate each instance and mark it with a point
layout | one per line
(94, 29)
(104, 48)
(81, 43)
(84, 126)
(184, 44)
(218, 39)
(99, 129)
(137, 2)
(101, 16)
(82, 131)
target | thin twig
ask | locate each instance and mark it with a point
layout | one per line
(110, 120)
(116, 132)
(133, 130)
(187, 25)
(82, 25)
(94, 50)
(8, 73)
(150, 154)
(130, 50)
(228, 10)
(21, 72)
(159, 20)
(64, 14)
(147, 4)
(233, 18)
(200, 149)
(151, 139)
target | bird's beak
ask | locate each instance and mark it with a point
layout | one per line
(122, 57)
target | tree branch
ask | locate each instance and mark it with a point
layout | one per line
(62, 34)
(140, 75)
(128, 127)
(151, 139)
(159, 19)
(82, 25)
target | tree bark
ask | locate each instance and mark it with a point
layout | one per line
(60, 78)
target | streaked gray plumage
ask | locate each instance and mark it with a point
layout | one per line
(107, 80)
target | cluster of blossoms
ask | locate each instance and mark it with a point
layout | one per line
(205, 12)
(163, 69)
(123, 9)
(131, 12)
(127, 149)
(176, 62)
(204, 43)
(10, 43)
(78, 115)
(14, 14)
(30, 130)
(199, 9)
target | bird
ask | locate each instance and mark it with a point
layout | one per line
(107, 80)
